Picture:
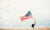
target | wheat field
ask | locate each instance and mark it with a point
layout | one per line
(44, 28)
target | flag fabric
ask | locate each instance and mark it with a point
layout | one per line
(27, 16)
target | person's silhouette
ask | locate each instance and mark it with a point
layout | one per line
(33, 24)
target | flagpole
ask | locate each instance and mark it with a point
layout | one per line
(34, 20)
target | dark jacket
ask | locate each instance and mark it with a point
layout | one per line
(33, 25)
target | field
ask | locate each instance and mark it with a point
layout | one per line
(44, 28)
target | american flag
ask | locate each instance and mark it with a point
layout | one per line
(27, 16)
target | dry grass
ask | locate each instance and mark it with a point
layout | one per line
(44, 28)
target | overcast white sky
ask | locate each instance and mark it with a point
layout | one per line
(11, 10)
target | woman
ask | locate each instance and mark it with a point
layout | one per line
(33, 24)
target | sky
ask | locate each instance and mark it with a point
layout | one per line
(12, 10)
